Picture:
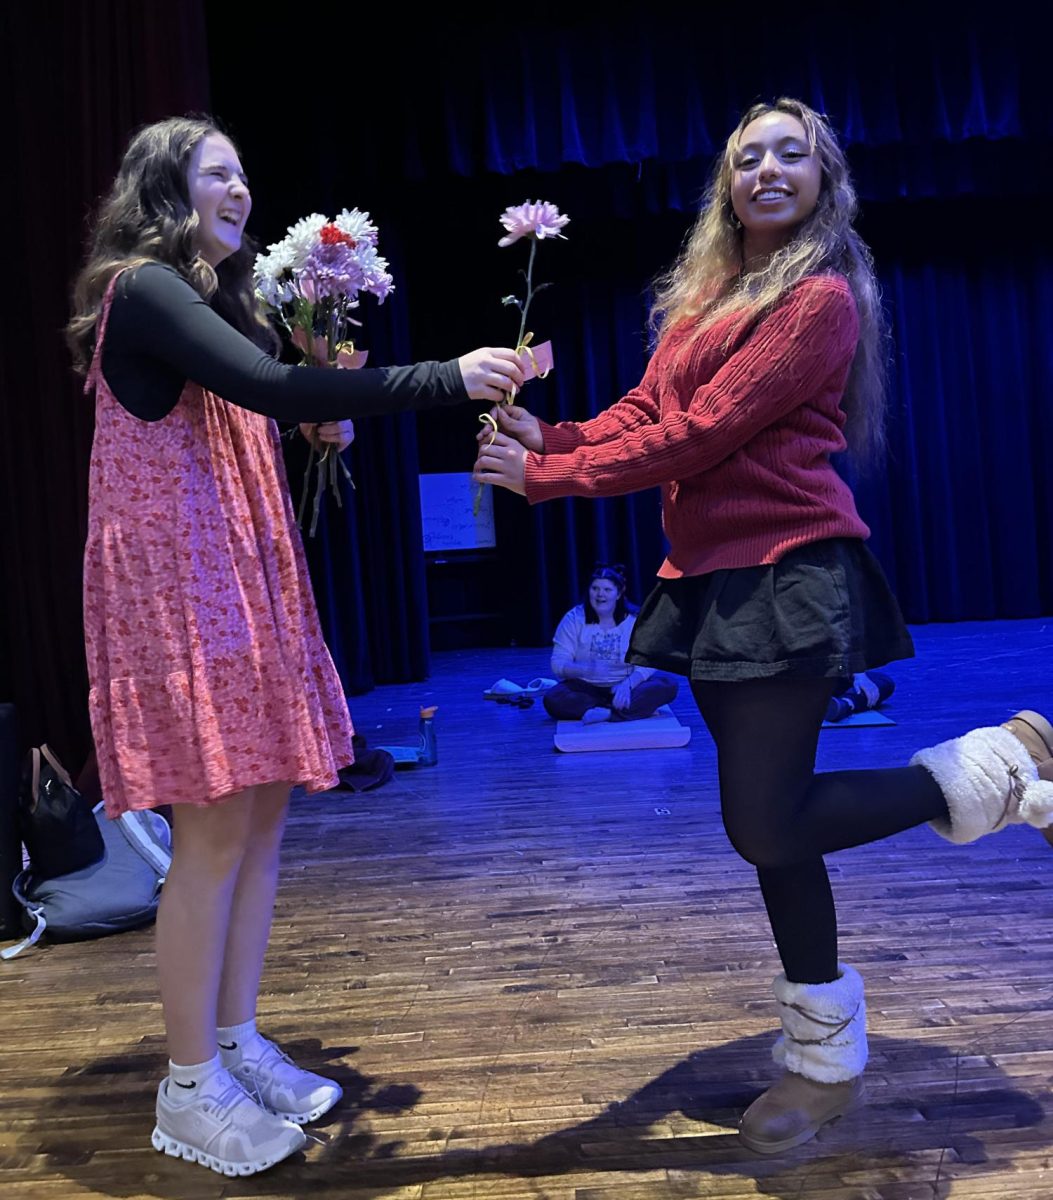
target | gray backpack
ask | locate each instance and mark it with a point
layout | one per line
(120, 891)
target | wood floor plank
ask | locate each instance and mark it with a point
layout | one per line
(548, 976)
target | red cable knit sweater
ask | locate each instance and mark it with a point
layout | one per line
(736, 425)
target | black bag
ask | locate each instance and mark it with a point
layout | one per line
(371, 768)
(57, 824)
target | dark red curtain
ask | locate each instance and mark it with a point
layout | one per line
(77, 79)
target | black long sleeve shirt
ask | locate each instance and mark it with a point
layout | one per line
(162, 333)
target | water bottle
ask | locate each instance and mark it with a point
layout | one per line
(428, 754)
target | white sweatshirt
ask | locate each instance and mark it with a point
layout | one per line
(577, 641)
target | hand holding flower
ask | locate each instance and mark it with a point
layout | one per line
(502, 463)
(339, 434)
(534, 221)
(519, 424)
(491, 374)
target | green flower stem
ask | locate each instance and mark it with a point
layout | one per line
(530, 292)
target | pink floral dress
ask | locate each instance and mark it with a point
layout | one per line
(207, 665)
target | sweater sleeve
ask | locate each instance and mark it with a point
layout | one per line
(636, 408)
(159, 321)
(565, 641)
(793, 351)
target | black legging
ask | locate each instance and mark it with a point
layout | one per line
(782, 817)
(570, 699)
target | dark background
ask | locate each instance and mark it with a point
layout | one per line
(434, 127)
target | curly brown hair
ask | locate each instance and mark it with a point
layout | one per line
(147, 217)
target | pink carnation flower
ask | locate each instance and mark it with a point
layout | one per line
(539, 220)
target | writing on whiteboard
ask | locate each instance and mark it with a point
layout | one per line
(446, 504)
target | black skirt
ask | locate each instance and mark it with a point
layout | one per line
(823, 610)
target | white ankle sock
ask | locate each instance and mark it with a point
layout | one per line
(187, 1080)
(232, 1038)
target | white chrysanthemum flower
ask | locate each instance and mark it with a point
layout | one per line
(279, 257)
(377, 280)
(301, 240)
(268, 266)
(270, 273)
(356, 224)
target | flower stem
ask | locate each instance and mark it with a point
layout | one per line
(330, 334)
(530, 292)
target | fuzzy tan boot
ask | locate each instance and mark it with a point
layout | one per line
(1036, 733)
(824, 1050)
(989, 779)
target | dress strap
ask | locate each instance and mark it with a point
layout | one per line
(100, 333)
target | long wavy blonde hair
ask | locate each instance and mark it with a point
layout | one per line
(708, 280)
(146, 217)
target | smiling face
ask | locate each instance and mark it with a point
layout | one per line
(775, 181)
(603, 596)
(219, 193)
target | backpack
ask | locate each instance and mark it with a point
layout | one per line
(120, 891)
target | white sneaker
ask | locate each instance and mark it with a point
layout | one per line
(221, 1126)
(282, 1087)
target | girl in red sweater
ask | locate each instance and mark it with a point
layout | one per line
(769, 361)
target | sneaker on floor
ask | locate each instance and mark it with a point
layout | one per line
(222, 1127)
(282, 1087)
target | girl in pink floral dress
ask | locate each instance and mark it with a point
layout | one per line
(211, 687)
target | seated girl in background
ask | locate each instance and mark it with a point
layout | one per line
(588, 658)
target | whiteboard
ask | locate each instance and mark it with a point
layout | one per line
(446, 502)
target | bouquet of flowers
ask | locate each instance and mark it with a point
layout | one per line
(311, 281)
(534, 221)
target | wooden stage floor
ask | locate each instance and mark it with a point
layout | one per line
(548, 976)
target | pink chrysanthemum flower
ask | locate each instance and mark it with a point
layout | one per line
(539, 219)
